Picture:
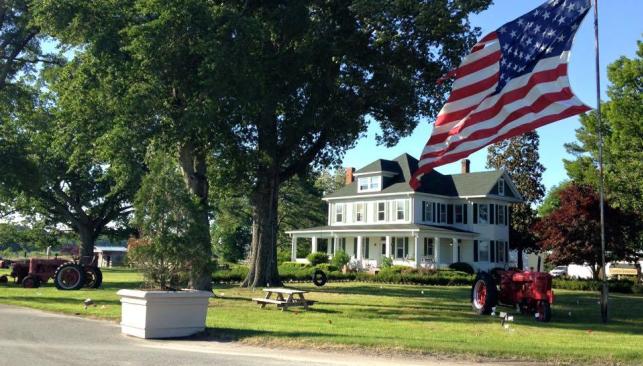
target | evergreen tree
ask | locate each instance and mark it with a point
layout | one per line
(519, 157)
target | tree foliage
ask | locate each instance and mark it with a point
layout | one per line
(623, 137)
(572, 234)
(519, 157)
(552, 199)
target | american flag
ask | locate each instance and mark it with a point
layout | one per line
(513, 81)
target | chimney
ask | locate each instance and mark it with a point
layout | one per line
(349, 176)
(466, 166)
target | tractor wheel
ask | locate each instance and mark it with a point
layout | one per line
(4, 279)
(93, 277)
(30, 282)
(319, 278)
(543, 310)
(69, 276)
(484, 294)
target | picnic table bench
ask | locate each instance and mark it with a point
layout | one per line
(293, 298)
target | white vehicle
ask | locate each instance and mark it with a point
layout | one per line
(558, 271)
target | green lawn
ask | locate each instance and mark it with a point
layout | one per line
(391, 318)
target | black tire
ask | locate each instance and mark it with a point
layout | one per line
(4, 279)
(319, 278)
(93, 277)
(543, 309)
(30, 282)
(69, 276)
(484, 294)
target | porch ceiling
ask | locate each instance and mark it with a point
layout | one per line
(327, 231)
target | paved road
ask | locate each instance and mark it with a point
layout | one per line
(34, 338)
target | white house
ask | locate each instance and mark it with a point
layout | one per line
(450, 218)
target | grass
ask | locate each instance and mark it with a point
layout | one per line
(391, 319)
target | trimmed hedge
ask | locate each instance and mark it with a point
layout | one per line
(317, 258)
(622, 286)
(462, 267)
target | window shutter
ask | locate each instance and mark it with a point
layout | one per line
(433, 218)
(450, 214)
(366, 245)
(506, 252)
(355, 246)
(475, 250)
(506, 215)
(406, 247)
(491, 213)
(475, 214)
(465, 213)
(492, 251)
(423, 210)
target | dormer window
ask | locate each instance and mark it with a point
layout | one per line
(369, 184)
(501, 187)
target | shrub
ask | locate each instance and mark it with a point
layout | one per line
(622, 286)
(637, 289)
(165, 214)
(387, 262)
(327, 267)
(317, 258)
(235, 273)
(462, 267)
(340, 259)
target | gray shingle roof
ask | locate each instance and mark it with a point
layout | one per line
(470, 184)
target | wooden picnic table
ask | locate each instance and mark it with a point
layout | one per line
(293, 298)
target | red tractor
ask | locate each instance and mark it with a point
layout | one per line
(530, 292)
(67, 275)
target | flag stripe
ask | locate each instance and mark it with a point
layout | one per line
(488, 110)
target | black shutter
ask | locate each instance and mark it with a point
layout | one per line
(509, 215)
(506, 215)
(464, 213)
(355, 246)
(492, 251)
(475, 249)
(475, 213)
(506, 252)
(406, 246)
(450, 214)
(492, 215)
(423, 210)
(366, 248)
(433, 218)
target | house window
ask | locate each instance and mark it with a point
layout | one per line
(339, 212)
(360, 212)
(383, 242)
(500, 251)
(428, 211)
(369, 184)
(459, 214)
(381, 211)
(500, 211)
(483, 213)
(400, 210)
(483, 251)
(428, 247)
(443, 213)
(401, 247)
(501, 187)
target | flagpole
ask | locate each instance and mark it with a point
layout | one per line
(604, 288)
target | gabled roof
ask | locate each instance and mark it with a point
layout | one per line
(456, 185)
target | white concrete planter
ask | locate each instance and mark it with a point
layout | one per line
(163, 314)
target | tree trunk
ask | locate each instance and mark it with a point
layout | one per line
(87, 239)
(263, 259)
(521, 265)
(194, 168)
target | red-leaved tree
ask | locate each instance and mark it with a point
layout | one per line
(572, 231)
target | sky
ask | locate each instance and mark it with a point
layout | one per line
(621, 25)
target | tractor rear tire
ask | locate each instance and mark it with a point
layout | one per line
(93, 277)
(69, 276)
(4, 279)
(543, 309)
(30, 282)
(484, 294)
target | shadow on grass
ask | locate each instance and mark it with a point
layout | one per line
(47, 300)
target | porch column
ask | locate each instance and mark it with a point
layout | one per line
(335, 244)
(416, 239)
(360, 254)
(455, 250)
(314, 244)
(293, 249)
(388, 246)
(329, 246)
(436, 251)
